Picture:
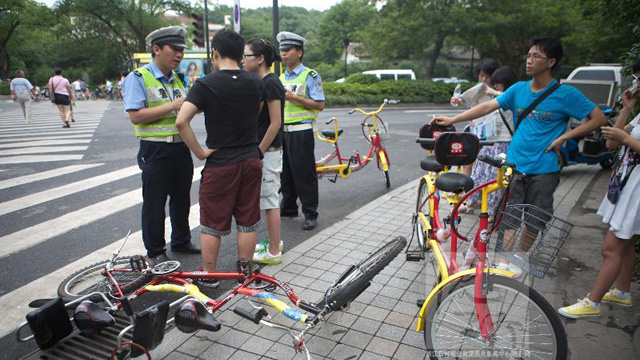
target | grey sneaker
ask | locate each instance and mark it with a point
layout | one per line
(153, 261)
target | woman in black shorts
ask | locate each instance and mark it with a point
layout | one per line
(61, 95)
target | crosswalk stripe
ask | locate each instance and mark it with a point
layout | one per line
(60, 137)
(65, 190)
(48, 128)
(71, 131)
(27, 179)
(42, 150)
(44, 143)
(38, 124)
(13, 305)
(34, 235)
(37, 159)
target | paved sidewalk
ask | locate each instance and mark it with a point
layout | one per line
(381, 323)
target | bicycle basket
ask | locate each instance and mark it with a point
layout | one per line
(530, 238)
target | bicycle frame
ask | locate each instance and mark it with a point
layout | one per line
(450, 273)
(347, 166)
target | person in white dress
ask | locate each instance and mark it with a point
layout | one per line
(621, 210)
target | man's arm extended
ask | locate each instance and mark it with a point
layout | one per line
(147, 115)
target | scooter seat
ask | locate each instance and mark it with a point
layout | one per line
(430, 164)
(330, 134)
(454, 182)
(90, 318)
(193, 315)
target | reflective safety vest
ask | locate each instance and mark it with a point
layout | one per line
(295, 113)
(159, 94)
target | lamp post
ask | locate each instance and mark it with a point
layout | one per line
(346, 55)
(275, 30)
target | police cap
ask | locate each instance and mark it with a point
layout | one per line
(288, 39)
(170, 35)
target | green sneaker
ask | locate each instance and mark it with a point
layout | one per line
(583, 308)
(264, 244)
(613, 296)
(265, 257)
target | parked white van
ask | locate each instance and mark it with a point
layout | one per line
(392, 74)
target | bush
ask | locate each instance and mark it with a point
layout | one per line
(4, 88)
(406, 91)
(364, 79)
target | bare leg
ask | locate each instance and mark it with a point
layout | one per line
(623, 282)
(273, 228)
(528, 237)
(246, 245)
(61, 111)
(210, 247)
(612, 253)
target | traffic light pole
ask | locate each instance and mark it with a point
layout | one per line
(206, 35)
(276, 27)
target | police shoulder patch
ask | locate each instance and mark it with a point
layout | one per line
(137, 72)
(313, 74)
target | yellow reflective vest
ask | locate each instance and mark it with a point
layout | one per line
(157, 95)
(295, 113)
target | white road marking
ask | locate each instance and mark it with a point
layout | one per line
(27, 179)
(44, 143)
(38, 159)
(42, 150)
(60, 137)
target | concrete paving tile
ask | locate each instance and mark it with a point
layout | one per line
(365, 325)
(384, 302)
(330, 331)
(366, 297)
(257, 345)
(356, 339)
(304, 261)
(406, 308)
(342, 318)
(295, 268)
(382, 346)
(323, 264)
(301, 281)
(392, 292)
(243, 355)
(320, 346)
(372, 356)
(375, 313)
(399, 319)
(414, 338)
(409, 352)
(391, 332)
(178, 356)
(281, 351)
(212, 335)
(195, 346)
(218, 351)
(344, 352)
(356, 308)
(312, 272)
(234, 338)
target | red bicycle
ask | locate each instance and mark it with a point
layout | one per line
(102, 289)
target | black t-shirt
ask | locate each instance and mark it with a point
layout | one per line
(231, 102)
(273, 90)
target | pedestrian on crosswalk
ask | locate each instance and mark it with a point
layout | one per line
(23, 92)
(153, 96)
(61, 95)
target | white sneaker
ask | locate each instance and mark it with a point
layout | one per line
(264, 244)
(265, 257)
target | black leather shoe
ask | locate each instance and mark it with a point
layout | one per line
(188, 248)
(309, 224)
(153, 261)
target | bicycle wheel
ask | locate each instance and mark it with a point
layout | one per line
(91, 279)
(384, 163)
(357, 278)
(382, 128)
(525, 324)
(423, 206)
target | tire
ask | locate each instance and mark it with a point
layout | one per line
(93, 97)
(457, 300)
(387, 181)
(358, 277)
(423, 193)
(91, 279)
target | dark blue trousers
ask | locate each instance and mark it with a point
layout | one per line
(167, 172)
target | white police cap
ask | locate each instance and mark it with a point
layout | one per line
(170, 35)
(288, 39)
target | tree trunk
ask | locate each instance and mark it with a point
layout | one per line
(436, 53)
(4, 51)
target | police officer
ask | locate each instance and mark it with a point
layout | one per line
(303, 100)
(153, 94)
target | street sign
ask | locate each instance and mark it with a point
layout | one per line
(236, 16)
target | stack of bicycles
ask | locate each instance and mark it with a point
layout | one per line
(476, 309)
(97, 294)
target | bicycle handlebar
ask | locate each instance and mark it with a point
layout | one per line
(351, 111)
(498, 162)
(330, 120)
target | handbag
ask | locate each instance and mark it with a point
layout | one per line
(52, 96)
(617, 181)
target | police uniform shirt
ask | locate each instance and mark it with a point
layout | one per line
(313, 88)
(135, 92)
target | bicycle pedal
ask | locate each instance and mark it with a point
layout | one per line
(414, 256)
(420, 303)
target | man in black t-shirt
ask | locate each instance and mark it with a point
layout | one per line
(230, 187)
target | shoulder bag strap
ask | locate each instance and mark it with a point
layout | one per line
(528, 111)
(505, 122)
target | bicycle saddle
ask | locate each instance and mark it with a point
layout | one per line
(330, 134)
(431, 164)
(193, 315)
(90, 318)
(454, 182)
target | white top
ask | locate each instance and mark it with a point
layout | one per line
(20, 86)
(489, 127)
(624, 216)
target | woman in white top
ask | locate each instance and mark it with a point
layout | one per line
(621, 210)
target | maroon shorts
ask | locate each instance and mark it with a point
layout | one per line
(230, 190)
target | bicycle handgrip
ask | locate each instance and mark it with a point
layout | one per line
(351, 111)
(393, 102)
(250, 316)
(491, 160)
(426, 141)
(330, 121)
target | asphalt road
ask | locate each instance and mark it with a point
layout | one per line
(29, 211)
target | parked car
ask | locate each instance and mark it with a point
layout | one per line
(601, 83)
(392, 74)
(451, 80)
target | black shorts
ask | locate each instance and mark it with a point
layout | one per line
(536, 190)
(62, 100)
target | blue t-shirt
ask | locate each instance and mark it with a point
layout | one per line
(543, 125)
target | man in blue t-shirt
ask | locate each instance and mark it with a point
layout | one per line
(540, 135)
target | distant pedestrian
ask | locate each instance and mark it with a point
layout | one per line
(23, 92)
(61, 95)
(620, 209)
